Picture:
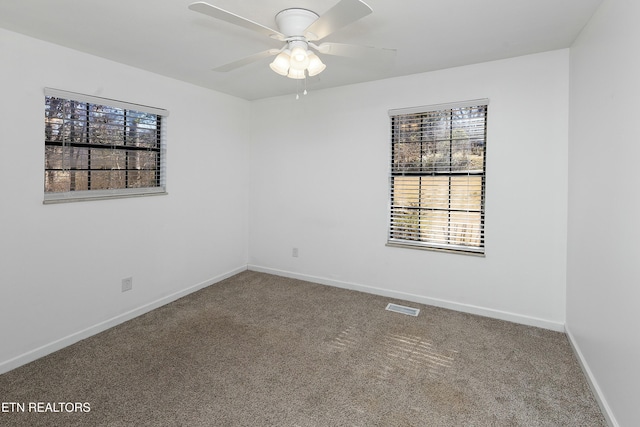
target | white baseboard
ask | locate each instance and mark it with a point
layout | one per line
(452, 305)
(58, 344)
(595, 388)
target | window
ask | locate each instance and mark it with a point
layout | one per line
(438, 177)
(99, 148)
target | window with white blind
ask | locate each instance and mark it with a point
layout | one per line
(438, 177)
(98, 148)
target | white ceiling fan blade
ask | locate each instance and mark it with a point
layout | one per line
(353, 51)
(246, 61)
(340, 15)
(223, 15)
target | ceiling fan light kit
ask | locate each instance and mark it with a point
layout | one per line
(296, 59)
(298, 28)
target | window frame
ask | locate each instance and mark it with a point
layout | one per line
(100, 194)
(408, 174)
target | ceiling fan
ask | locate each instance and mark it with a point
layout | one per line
(298, 28)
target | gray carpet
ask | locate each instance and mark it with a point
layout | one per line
(262, 350)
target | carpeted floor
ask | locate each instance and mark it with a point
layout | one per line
(262, 350)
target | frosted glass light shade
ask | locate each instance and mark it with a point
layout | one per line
(299, 58)
(315, 65)
(281, 64)
(298, 54)
(296, 74)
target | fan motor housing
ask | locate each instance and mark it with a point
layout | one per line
(293, 22)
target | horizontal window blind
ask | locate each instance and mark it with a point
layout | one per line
(437, 182)
(101, 148)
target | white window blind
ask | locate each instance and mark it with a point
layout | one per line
(437, 177)
(98, 148)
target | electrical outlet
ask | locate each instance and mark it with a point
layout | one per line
(127, 284)
(294, 253)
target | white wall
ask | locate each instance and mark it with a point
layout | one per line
(604, 206)
(319, 182)
(62, 265)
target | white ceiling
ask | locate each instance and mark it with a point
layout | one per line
(165, 37)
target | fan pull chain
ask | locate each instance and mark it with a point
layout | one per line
(304, 92)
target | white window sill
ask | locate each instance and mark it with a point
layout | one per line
(84, 196)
